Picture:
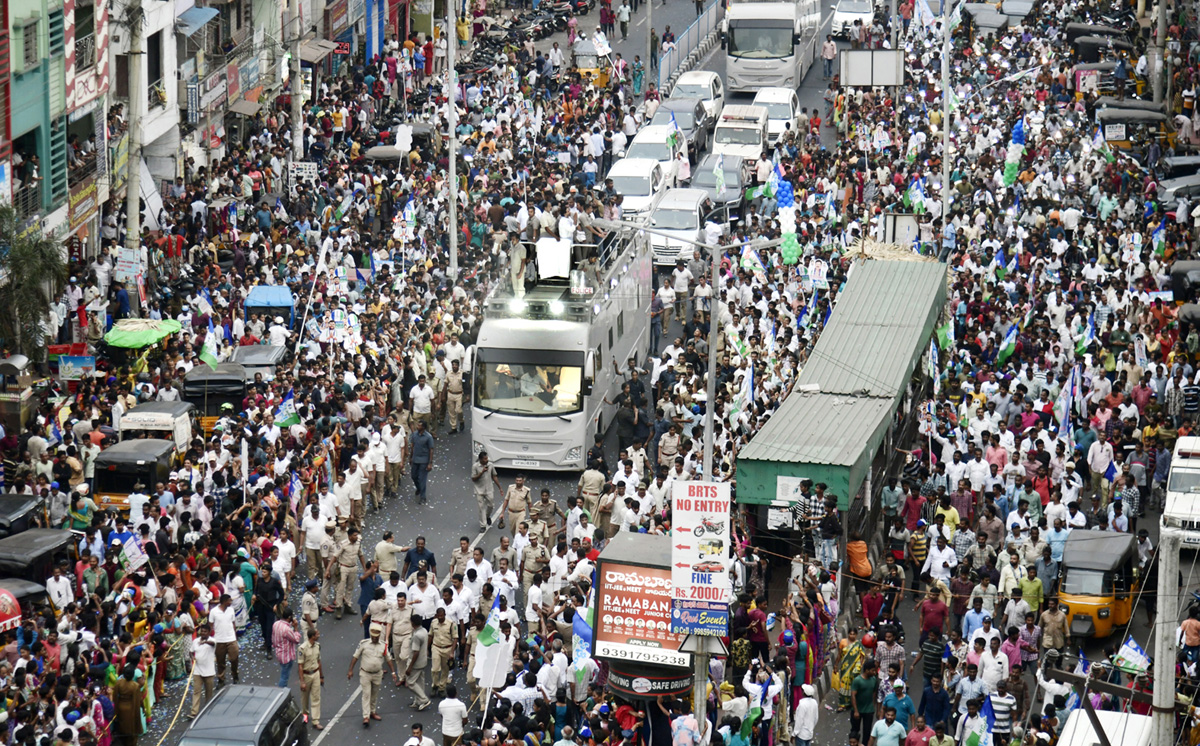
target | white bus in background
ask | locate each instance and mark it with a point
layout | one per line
(543, 362)
(769, 44)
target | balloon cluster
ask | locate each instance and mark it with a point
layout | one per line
(785, 195)
(789, 249)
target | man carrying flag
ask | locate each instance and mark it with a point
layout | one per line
(1008, 345)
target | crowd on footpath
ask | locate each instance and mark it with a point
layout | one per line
(1063, 380)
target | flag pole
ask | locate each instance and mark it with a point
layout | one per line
(487, 693)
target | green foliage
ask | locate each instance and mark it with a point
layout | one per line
(32, 268)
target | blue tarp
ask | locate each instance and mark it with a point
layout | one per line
(273, 297)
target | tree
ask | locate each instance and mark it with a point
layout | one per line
(32, 266)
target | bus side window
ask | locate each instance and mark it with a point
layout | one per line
(610, 337)
(620, 324)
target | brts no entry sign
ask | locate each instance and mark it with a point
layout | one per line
(700, 587)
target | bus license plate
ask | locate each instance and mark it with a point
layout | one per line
(527, 463)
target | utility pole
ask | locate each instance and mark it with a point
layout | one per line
(452, 117)
(894, 22)
(137, 110)
(297, 31)
(1160, 41)
(1167, 616)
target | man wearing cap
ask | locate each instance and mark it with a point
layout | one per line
(310, 608)
(373, 655)
(516, 502)
(804, 721)
(312, 676)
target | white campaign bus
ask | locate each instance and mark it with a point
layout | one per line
(543, 362)
(769, 44)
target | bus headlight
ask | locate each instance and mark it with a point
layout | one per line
(476, 449)
(556, 307)
(575, 453)
(1104, 612)
(516, 305)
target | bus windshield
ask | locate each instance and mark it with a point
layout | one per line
(760, 42)
(528, 390)
(1086, 582)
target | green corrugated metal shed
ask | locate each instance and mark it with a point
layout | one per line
(880, 328)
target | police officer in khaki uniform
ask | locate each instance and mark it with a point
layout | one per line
(312, 676)
(541, 516)
(373, 655)
(453, 388)
(310, 609)
(533, 559)
(349, 558)
(418, 668)
(516, 502)
(400, 622)
(333, 573)
(443, 636)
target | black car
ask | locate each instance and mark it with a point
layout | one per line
(249, 716)
(735, 170)
(693, 121)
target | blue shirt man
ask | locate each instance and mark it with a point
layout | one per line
(973, 619)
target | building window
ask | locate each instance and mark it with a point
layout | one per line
(30, 56)
(85, 37)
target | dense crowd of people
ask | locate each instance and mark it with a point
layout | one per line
(1063, 380)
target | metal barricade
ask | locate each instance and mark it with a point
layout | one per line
(686, 43)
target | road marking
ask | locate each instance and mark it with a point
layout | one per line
(329, 726)
(639, 23)
(357, 694)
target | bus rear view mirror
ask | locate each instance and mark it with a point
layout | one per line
(724, 39)
(589, 373)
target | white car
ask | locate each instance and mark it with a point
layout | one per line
(846, 12)
(704, 85)
(783, 110)
(639, 181)
(655, 142)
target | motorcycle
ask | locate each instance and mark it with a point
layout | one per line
(708, 525)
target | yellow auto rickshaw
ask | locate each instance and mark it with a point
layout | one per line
(590, 64)
(1123, 127)
(1098, 582)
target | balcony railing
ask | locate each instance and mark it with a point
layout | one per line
(157, 95)
(28, 200)
(84, 168)
(85, 52)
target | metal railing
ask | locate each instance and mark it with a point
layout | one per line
(156, 94)
(84, 168)
(85, 52)
(28, 200)
(685, 43)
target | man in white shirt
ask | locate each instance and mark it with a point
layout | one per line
(394, 439)
(454, 715)
(420, 403)
(59, 589)
(312, 530)
(225, 636)
(533, 605)
(204, 668)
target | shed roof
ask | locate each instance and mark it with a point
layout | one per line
(818, 429)
(861, 364)
(878, 329)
